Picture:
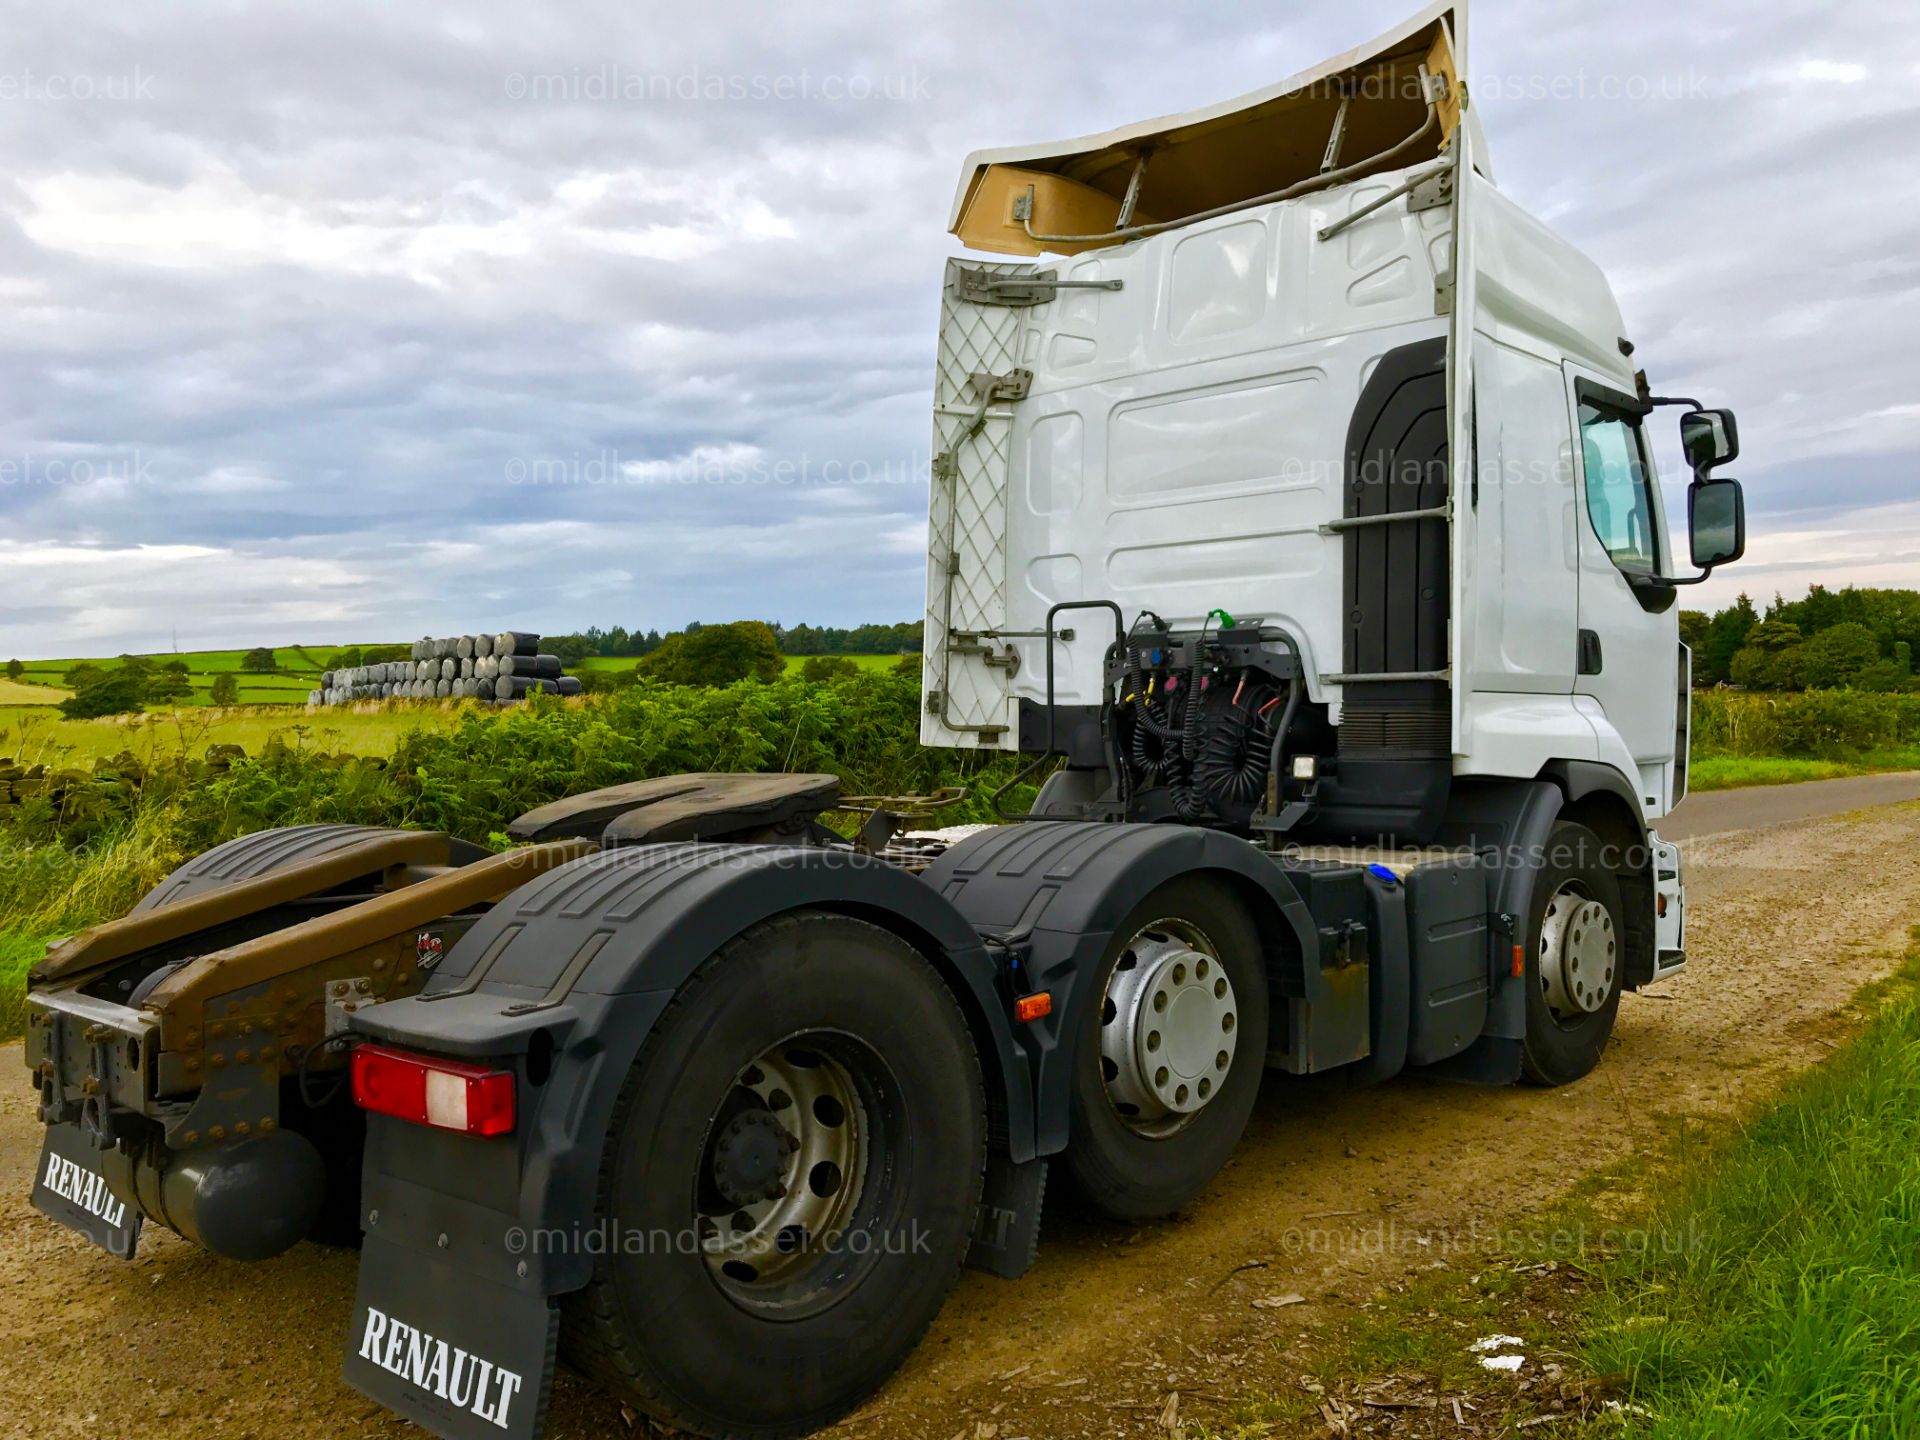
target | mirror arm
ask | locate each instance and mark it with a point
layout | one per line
(1675, 400)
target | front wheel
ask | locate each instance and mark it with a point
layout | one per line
(789, 1183)
(1575, 958)
(1170, 1059)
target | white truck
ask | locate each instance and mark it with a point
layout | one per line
(1299, 510)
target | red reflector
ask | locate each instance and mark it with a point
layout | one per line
(1033, 1007)
(1519, 961)
(422, 1090)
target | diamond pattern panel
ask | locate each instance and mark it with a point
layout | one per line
(967, 516)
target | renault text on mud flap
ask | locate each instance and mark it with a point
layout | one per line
(84, 1188)
(446, 1371)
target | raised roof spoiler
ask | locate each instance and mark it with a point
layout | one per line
(1385, 105)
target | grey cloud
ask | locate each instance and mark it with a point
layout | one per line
(405, 280)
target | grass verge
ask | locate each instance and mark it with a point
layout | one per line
(1727, 772)
(1754, 1281)
(1793, 1307)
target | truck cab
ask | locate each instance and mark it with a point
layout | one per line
(1292, 372)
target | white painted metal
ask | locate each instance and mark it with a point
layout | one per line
(1183, 441)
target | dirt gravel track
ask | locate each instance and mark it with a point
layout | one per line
(1333, 1193)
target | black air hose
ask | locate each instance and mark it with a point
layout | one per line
(1233, 755)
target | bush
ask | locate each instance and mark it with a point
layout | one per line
(226, 689)
(1812, 725)
(821, 668)
(717, 655)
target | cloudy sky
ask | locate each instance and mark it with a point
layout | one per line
(302, 303)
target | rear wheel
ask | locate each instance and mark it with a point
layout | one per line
(789, 1184)
(1575, 958)
(1170, 1059)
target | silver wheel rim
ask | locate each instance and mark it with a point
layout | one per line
(1579, 952)
(782, 1169)
(1169, 1027)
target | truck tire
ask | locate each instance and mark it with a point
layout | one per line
(1184, 983)
(813, 1081)
(1575, 962)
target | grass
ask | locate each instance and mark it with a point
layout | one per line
(33, 735)
(614, 664)
(1727, 772)
(299, 668)
(1793, 1308)
(19, 952)
(17, 692)
(1756, 1282)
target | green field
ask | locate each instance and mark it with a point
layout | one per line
(35, 735)
(615, 664)
(299, 670)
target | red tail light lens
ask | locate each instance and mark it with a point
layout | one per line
(423, 1090)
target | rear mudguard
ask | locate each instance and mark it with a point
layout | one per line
(1055, 890)
(565, 978)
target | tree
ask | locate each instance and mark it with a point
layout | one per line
(77, 677)
(1837, 655)
(106, 692)
(169, 683)
(1772, 658)
(717, 655)
(15, 669)
(571, 649)
(259, 661)
(347, 659)
(226, 689)
(1726, 634)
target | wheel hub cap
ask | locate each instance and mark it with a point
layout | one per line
(1578, 953)
(1168, 1028)
(784, 1166)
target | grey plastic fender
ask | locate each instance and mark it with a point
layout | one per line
(565, 978)
(1056, 890)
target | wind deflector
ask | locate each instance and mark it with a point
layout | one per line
(1386, 105)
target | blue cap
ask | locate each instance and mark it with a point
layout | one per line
(1381, 872)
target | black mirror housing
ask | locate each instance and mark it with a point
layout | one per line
(1709, 438)
(1716, 522)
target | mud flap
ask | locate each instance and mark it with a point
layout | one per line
(69, 1187)
(1006, 1236)
(453, 1352)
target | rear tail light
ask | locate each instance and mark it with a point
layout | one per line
(423, 1090)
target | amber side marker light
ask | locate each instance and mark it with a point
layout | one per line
(423, 1090)
(1519, 961)
(1033, 1007)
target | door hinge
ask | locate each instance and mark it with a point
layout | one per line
(1001, 389)
(1431, 191)
(984, 287)
(1443, 293)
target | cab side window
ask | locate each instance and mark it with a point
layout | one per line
(1619, 488)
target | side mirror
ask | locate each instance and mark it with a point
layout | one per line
(1709, 438)
(1716, 521)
